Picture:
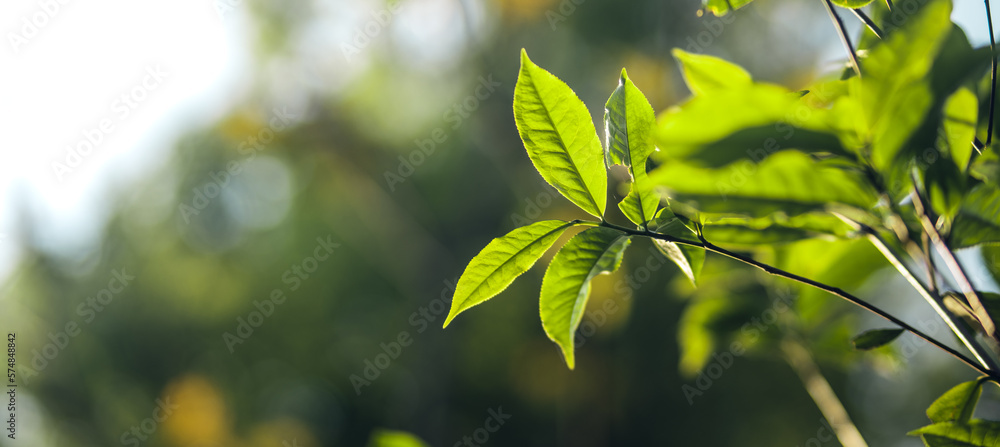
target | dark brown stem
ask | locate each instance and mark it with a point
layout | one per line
(772, 270)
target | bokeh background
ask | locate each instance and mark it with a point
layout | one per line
(168, 168)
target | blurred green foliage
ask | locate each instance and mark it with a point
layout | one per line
(403, 172)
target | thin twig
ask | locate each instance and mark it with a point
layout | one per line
(888, 4)
(924, 215)
(839, 24)
(868, 21)
(822, 393)
(964, 335)
(993, 75)
(788, 275)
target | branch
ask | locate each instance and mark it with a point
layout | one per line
(868, 21)
(964, 335)
(822, 394)
(993, 75)
(843, 36)
(923, 213)
(788, 275)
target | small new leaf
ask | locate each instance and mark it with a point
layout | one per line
(566, 285)
(687, 258)
(560, 137)
(875, 338)
(503, 260)
(628, 125)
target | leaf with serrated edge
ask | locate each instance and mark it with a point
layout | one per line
(503, 260)
(628, 124)
(560, 137)
(566, 285)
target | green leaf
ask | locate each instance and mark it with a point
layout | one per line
(560, 137)
(502, 261)
(704, 74)
(960, 125)
(978, 218)
(957, 404)
(986, 167)
(745, 123)
(395, 438)
(722, 7)
(907, 82)
(628, 123)
(787, 182)
(978, 433)
(687, 258)
(566, 285)
(852, 4)
(875, 338)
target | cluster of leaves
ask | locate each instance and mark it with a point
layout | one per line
(888, 151)
(563, 144)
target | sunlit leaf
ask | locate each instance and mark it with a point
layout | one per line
(875, 338)
(853, 4)
(502, 261)
(395, 438)
(723, 7)
(744, 123)
(787, 182)
(704, 73)
(975, 433)
(560, 137)
(957, 404)
(628, 121)
(960, 125)
(566, 285)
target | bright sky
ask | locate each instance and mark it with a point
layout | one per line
(66, 66)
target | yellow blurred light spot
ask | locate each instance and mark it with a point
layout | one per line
(201, 418)
(651, 76)
(526, 10)
(281, 432)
